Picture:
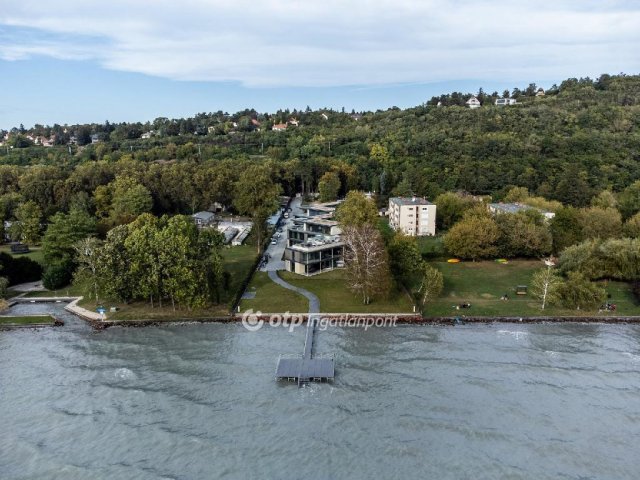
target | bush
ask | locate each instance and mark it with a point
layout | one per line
(19, 269)
(577, 292)
(57, 276)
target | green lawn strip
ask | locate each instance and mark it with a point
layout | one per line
(336, 297)
(483, 283)
(143, 311)
(238, 261)
(272, 298)
(34, 254)
(26, 320)
(68, 291)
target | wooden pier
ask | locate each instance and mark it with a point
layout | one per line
(306, 369)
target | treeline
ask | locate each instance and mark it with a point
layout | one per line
(574, 142)
(475, 233)
(154, 259)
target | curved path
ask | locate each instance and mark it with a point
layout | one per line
(314, 301)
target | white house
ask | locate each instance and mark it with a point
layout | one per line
(505, 101)
(473, 102)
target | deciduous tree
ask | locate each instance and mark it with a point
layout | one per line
(473, 238)
(366, 260)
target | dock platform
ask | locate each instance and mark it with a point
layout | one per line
(305, 368)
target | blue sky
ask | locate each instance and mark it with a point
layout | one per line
(83, 61)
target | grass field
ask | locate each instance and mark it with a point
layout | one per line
(335, 297)
(272, 298)
(26, 320)
(238, 262)
(483, 283)
(35, 254)
(68, 291)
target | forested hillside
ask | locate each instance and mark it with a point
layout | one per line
(578, 139)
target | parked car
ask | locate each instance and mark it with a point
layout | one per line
(274, 242)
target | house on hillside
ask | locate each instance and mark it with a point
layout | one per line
(203, 219)
(473, 102)
(279, 127)
(500, 208)
(501, 102)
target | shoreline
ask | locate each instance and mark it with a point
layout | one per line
(94, 320)
(402, 319)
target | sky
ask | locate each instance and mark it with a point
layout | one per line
(76, 61)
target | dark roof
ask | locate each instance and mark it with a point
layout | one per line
(203, 215)
(410, 201)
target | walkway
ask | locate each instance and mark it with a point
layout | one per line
(314, 301)
(305, 368)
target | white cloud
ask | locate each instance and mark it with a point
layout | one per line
(331, 42)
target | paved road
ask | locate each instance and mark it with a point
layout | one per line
(276, 252)
(275, 263)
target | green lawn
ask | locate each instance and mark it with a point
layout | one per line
(68, 291)
(483, 283)
(26, 320)
(35, 254)
(335, 297)
(431, 247)
(238, 262)
(272, 298)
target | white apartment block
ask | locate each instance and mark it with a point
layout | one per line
(413, 216)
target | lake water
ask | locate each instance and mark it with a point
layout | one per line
(200, 401)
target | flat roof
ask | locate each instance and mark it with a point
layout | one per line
(308, 247)
(410, 201)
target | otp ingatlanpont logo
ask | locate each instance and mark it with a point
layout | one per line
(252, 321)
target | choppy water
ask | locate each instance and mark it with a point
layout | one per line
(200, 401)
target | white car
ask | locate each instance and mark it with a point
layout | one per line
(274, 242)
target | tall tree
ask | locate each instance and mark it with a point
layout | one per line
(357, 210)
(545, 284)
(63, 232)
(257, 197)
(27, 227)
(367, 265)
(432, 283)
(329, 186)
(405, 259)
(88, 252)
(128, 200)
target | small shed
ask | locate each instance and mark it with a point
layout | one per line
(203, 219)
(521, 290)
